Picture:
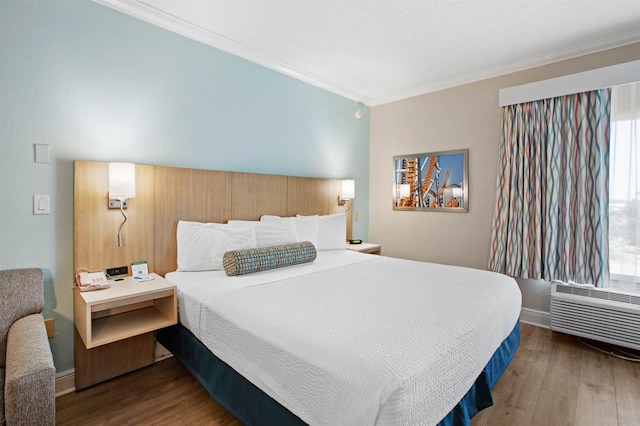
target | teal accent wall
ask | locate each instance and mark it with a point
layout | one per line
(96, 84)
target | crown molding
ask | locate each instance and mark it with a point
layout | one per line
(169, 22)
(534, 62)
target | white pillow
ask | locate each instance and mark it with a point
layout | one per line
(307, 228)
(241, 224)
(202, 245)
(266, 217)
(275, 232)
(332, 232)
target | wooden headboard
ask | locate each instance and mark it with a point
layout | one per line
(165, 195)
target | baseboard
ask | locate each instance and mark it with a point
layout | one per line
(535, 317)
(162, 352)
(65, 382)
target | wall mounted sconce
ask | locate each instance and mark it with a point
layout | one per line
(348, 191)
(122, 186)
(359, 111)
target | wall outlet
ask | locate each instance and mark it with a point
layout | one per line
(119, 270)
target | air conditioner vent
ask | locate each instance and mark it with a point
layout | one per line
(597, 314)
(618, 297)
(580, 291)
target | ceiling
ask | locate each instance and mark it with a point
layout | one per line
(378, 51)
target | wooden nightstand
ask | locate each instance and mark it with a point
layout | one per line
(365, 248)
(115, 327)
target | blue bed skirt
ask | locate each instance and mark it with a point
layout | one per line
(251, 406)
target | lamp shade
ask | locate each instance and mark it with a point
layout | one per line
(348, 189)
(122, 180)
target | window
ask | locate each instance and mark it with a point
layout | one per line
(624, 184)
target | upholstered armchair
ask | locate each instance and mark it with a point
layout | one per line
(27, 373)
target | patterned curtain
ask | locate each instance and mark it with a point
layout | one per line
(551, 218)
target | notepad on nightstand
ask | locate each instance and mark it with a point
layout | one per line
(140, 271)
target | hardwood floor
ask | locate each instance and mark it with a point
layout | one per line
(162, 394)
(553, 380)
(556, 380)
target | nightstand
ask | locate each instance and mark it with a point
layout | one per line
(365, 248)
(115, 327)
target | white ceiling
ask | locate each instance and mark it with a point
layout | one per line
(378, 51)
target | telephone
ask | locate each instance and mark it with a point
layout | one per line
(88, 281)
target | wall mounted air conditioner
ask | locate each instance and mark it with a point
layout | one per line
(598, 314)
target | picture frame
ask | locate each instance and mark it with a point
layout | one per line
(433, 181)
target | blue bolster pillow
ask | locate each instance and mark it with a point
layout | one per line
(240, 262)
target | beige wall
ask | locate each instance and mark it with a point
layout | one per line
(461, 117)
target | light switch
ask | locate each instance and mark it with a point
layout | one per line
(356, 216)
(43, 153)
(41, 204)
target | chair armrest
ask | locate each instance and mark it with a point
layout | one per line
(30, 374)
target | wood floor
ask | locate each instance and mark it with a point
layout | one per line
(553, 380)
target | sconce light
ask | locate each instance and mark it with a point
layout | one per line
(348, 191)
(122, 186)
(359, 111)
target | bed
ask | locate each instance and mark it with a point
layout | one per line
(350, 338)
(173, 194)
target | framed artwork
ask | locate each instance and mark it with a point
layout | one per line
(435, 181)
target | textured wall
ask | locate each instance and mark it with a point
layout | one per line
(462, 117)
(96, 84)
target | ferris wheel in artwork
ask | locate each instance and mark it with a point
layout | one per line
(431, 181)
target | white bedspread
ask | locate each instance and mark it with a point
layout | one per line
(354, 339)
